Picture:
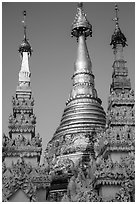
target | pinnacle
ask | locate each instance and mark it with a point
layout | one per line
(81, 26)
(118, 37)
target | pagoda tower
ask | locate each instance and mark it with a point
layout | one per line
(115, 174)
(82, 117)
(24, 180)
(22, 121)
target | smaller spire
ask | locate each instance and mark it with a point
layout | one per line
(118, 37)
(25, 46)
(81, 26)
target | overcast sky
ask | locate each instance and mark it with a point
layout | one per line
(54, 53)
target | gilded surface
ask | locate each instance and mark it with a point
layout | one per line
(83, 112)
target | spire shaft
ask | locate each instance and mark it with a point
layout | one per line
(24, 24)
(24, 74)
(25, 51)
(81, 29)
(116, 13)
(83, 62)
(83, 79)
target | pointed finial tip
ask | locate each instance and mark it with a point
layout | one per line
(116, 7)
(116, 19)
(24, 23)
(80, 4)
(81, 26)
(118, 37)
(25, 46)
(24, 12)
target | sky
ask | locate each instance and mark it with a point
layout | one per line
(54, 54)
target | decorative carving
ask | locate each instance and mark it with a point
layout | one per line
(108, 171)
(5, 140)
(11, 118)
(21, 176)
(25, 104)
(118, 136)
(22, 117)
(70, 144)
(121, 98)
(33, 119)
(122, 114)
(36, 141)
(80, 187)
(20, 143)
(32, 101)
(13, 100)
(61, 166)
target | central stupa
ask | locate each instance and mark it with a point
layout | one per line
(83, 114)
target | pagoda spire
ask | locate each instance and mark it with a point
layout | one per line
(25, 51)
(81, 29)
(117, 143)
(22, 141)
(83, 78)
(83, 90)
(120, 78)
(83, 114)
(118, 39)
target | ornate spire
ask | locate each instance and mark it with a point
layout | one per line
(25, 46)
(22, 140)
(25, 51)
(83, 89)
(81, 26)
(120, 80)
(83, 114)
(118, 37)
(81, 29)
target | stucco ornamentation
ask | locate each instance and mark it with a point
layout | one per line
(23, 176)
